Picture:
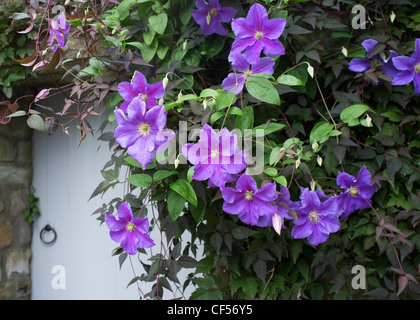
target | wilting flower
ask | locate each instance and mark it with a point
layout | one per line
(139, 88)
(129, 232)
(257, 33)
(141, 132)
(211, 15)
(58, 31)
(317, 219)
(235, 81)
(249, 202)
(358, 192)
(216, 156)
(408, 68)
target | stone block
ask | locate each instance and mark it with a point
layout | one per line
(13, 175)
(6, 235)
(7, 150)
(17, 263)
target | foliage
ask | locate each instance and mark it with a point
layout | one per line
(319, 119)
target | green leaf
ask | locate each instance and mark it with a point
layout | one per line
(275, 155)
(140, 180)
(198, 211)
(184, 189)
(268, 128)
(148, 52)
(321, 131)
(224, 99)
(216, 116)
(271, 172)
(353, 112)
(162, 174)
(289, 80)
(303, 268)
(176, 204)
(159, 22)
(281, 180)
(242, 233)
(36, 122)
(132, 162)
(295, 249)
(247, 119)
(123, 9)
(263, 90)
(208, 93)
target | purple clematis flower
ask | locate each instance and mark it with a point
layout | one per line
(211, 15)
(58, 31)
(358, 192)
(284, 206)
(139, 87)
(363, 64)
(408, 69)
(140, 133)
(129, 232)
(235, 82)
(257, 33)
(317, 219)
(249, 202)
(216, 156)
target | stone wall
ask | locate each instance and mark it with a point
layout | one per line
(15, 231)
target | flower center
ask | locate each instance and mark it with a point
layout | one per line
(213, 12)
(314, 217)
(258, 35)
(354, 192)
(249, 195)
(143, 129)
(214, 154)
(247, 74)
(417, 68)
(130, 226)
(144, 98)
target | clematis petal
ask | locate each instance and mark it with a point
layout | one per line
(345, 180)
(403, 77)
(273, 47)
(264, 65)
(252, 53)
(416, 81)
(144, 240)
(242, 28)
(156, 117)
(234, 83)
(368, 45)
(267, 192)
(240, 44)
(310, 200)
(129, 243)
(142, 151)
(302, 231)
(239, 62)
(359, 64)
(257, 15)
(126, 91)
(416, 54)
(141, 224)
(246, 183)
(403, 63)
(155, 91)
(139, 83)
(124, 212)
(317, 237)
(274, 28)
(226, 14)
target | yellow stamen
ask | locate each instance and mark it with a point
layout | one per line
(143, 129)
(314, 217)
(249, 195)
(130, 226)
(354, 192)
(214, 154)
(417, 68)
(258, 35)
